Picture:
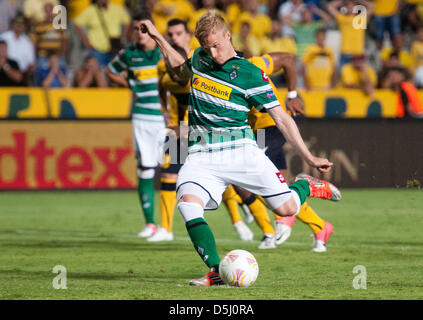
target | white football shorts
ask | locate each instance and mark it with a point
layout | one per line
(207, 175)
(149, 138)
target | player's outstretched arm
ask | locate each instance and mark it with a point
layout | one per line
(173, 59)
(289, 129)
(286, 61)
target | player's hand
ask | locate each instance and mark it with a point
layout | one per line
(321, 164)
(296, 106)
(148, 27)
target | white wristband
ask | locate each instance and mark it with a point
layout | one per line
(292, 94)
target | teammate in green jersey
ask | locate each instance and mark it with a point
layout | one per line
(139, 62)
(222, 148)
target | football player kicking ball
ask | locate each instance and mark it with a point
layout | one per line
(178, 100)
(221, 146)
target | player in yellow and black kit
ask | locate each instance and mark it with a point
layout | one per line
(274, 141)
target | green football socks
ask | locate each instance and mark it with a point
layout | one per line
(302, 188)
(146, 195)
(203, 241)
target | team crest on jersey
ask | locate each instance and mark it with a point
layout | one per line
(211, 87)
(233, 75)
(264, 76)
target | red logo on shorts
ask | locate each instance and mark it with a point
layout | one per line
(280, 176)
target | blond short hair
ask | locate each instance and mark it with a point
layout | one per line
(208, 23)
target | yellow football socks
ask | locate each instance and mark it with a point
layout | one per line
(259, 212)
(231, 200)
(310, 217)
(167, 203)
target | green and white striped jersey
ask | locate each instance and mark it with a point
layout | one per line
(143, 80)
(221, 97)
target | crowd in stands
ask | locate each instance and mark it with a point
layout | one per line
(356, 44)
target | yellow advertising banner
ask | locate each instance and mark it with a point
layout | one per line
(24, 103)
(66, 155)
(349, 104)
(90, 103)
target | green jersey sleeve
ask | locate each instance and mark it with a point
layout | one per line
(260, 93)
(119, 63)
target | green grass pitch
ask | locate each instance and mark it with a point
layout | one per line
(93, 235)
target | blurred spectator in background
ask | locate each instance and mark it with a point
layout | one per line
(268, 7)
(395, 77)
(386, 19)
(357, 74)
(195, 16)
(34, 9)
(353, 36)
(399, 50)
(289, 13)
(275, 42)
(20, 47)
(260, 24)
(245, 42)
(232, 11)
(7, 13)
(53, 75)
(89, 75)
(411, 15)
(417, 50)
(272, 8)
(47, 38)
(10, 76)
(305, 30)
(165, 10)
(319, 64)
(393, 73)
(105, 24)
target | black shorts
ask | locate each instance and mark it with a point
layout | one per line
(172, 164)
(274, 140)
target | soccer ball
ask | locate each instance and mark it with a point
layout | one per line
(239, 268)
